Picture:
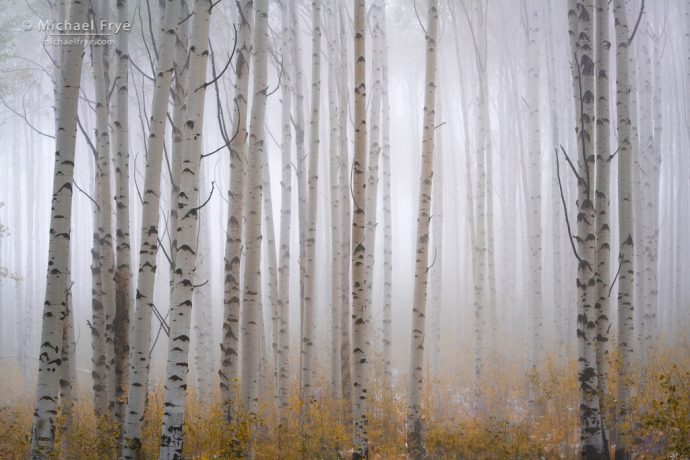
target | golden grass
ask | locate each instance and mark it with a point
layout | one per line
(506, 429)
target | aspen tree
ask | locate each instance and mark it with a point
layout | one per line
(415, 441)
(334, 160)
(387, 210)
(345, 237)
(591, 430)
(360, 310)
(251, 313)
(141, 330)
(123, 268)
(230, 364)
(285, 218)
(101, 226)
(602, 204)
(185, 259)
(626, 321)
(372, 187)
(534, 200)
(47, 391)
(308, 326)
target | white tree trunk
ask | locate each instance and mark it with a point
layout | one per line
(308, 326)
(387, 211)
(415, 440)
(534, 224)
(44, 420)
(591, 433)
(360, 309)
(345, 210)
(185, 259)
(285, 217)
(334, 161)
(602, 202)
(141, 331)
(251, 313)
(123, 269)
(626, 320)
(230, 370)
(98, 328)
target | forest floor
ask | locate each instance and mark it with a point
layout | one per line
(504, 428)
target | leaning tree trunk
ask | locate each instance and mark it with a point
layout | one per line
(251, 313)
(415, 441)
(602, 202)
(141, 331)
(54, 307)
(626, 322)
(230, 364)
(185, 258)
(360, 310)
(591, 435)
(124, 269)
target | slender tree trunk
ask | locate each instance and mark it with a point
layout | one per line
(141, 331)
(626, 320)
(123, 273)
(360, 310)
(415, 440)
(602, 203)
(591, 432)
(534, 224)
(387, 211)
(185, 259)
(285, 219)
(230, 364)
(54, 307)
(308, 366)
(98, 327)
(334, 160)
(372, 187)
(251, 313)
(345, 237)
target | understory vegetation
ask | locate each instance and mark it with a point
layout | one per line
(511, 430)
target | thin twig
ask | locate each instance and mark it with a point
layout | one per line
(565, 209)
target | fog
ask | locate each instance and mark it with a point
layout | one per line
(537, 275)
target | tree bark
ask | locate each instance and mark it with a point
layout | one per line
(251, 313)
(591, 432)
(308, 326)
(360, 310)
(415, 440)
(230, 364)
(123, 272)
(185, 259)
(626, 320)
(44, 419)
